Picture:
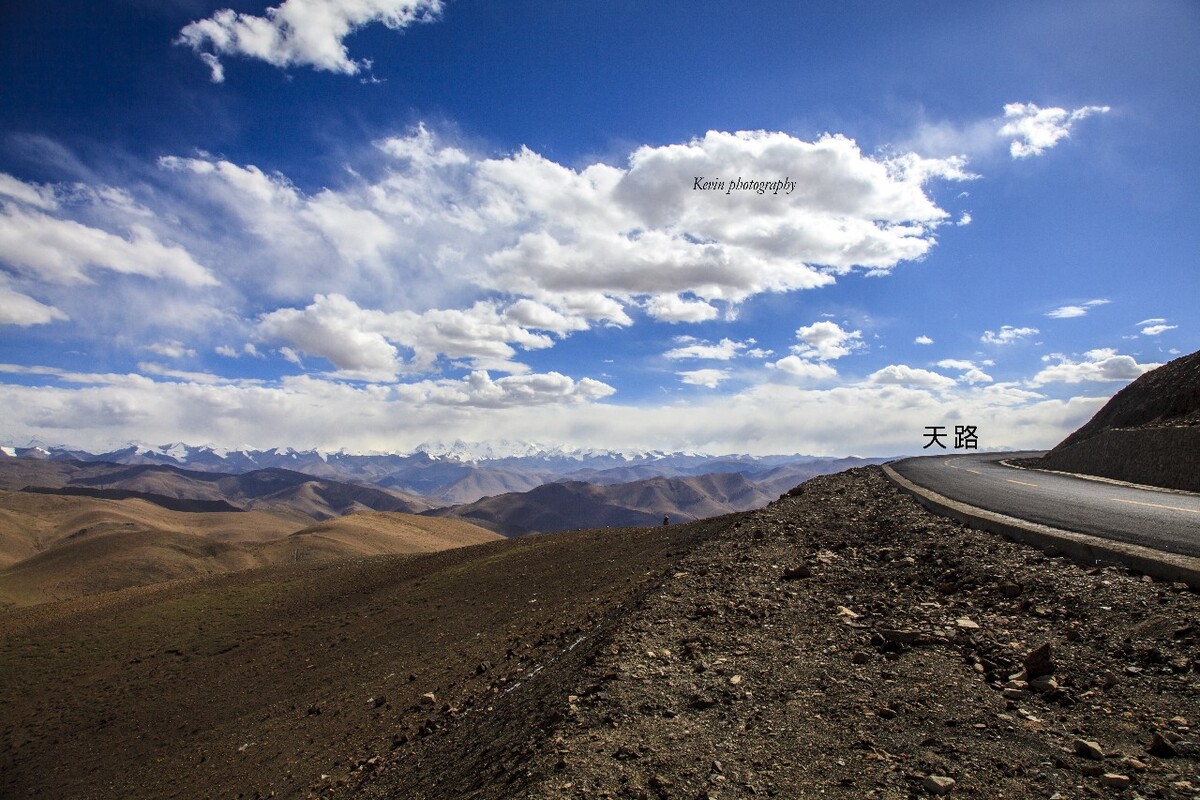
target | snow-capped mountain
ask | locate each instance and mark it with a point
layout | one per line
(456, 472)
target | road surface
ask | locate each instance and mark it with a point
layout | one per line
(1163, 520)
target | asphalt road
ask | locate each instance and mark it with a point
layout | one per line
(1158, 519)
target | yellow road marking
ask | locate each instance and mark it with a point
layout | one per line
(1157, 505)
(1023, 483)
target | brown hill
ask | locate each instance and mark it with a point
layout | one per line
(1148, 433)
(55, 547)
(573, 505)
(369, 533)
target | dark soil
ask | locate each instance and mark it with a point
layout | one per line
(842, 642)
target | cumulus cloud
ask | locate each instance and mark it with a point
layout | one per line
(802, 368)
(1035, 130)
(904, 375)
(690, 347)
(1068, 312)
(530, 314)
(922, 339)
(826, 341)
(308, 33)
(709, 378)
(673, 308)
(1102, 364)
(586, 243)
(1007, 335)
(362, 343)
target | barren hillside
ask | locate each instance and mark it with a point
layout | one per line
(56, 547)
(1149, 432)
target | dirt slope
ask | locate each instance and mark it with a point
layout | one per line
(1149, 432)
(265, 680)
(841, 643)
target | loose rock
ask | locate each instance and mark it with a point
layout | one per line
(939, 784)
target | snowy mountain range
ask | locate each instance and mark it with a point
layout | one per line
(460, 472)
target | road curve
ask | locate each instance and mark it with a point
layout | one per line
(1161, 520)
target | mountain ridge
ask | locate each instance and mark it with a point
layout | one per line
(451, 474)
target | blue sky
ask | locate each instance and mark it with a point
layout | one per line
(366, 224)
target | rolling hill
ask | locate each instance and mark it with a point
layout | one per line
(55, 547)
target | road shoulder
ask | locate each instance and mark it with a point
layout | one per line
(1080, 547)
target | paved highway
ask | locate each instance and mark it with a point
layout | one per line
(1158, 519)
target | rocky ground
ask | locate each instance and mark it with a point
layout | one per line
(842, 642)
(845, 643)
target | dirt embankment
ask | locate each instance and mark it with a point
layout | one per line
(842, 642)
(1148, 433)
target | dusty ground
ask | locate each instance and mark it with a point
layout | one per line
(840, 643)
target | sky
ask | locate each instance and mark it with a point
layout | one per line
(819, 227)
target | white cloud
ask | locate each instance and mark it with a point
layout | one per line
(1007, 335)
(299, 32)
(1068, 312)
(672, 308)
(691, 347)
(171, 349)
(106, 411)
(970, 372)
(964, 220)
(22, 310)
(49, 248)
(30, 194)
(922, 340)
(1156, 327)
(709, 378)
(248, 349)
(826, 341)
(1035, 130)
(1103, 364)
(801, 368)
(530, 314)
(442, 223)
(904, 375)
(479, 390)
(333, 328)
(1152, 321)
(362, 343)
